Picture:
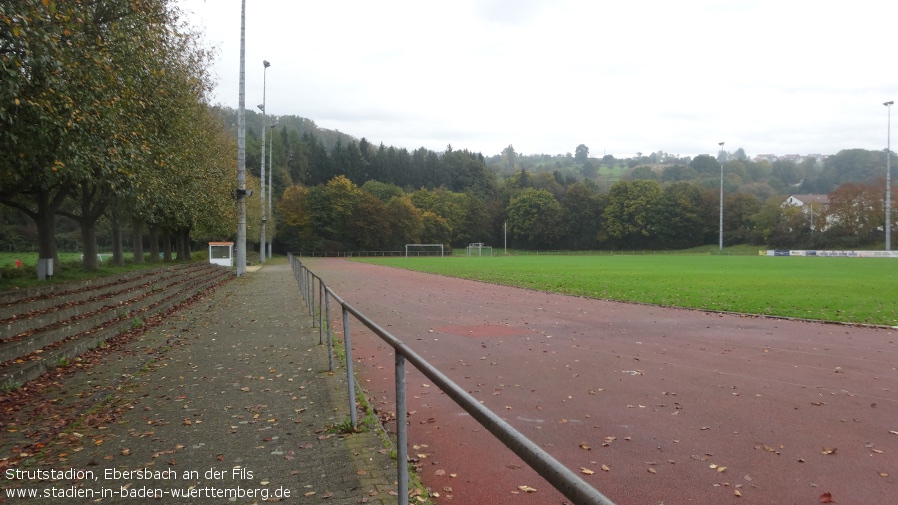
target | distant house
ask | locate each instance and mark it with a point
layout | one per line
(770, 158)
(813, 206)
(802, 200)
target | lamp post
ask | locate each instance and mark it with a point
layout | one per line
(889, 177)
(241, 151)
(262, 180)
(270, 172)
(721, 194)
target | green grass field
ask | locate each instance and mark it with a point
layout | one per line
(855, 290)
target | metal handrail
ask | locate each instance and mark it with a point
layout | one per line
(562, 478)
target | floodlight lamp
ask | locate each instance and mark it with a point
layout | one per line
(890, 102)
(261, 107)
(265, 62)
(720, 143)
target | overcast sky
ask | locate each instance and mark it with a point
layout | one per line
(620, 77)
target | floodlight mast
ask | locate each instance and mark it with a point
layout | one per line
(721, 194)
(241, 150)
(889, 177)
(265, 65)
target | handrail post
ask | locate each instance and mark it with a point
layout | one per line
(401, 431)
(350, 375)
(330, 338)
(312, 299)
(302, 284)
(320, 310)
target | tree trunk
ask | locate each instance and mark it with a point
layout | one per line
(166, 245)
(45, 220)
(118, 255)
(154, 243)
(89, 236)
(137, 241)
(179, 246)
(184, 244)
(91, 210)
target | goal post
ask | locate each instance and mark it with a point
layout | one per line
(478, 249)
(424, 250)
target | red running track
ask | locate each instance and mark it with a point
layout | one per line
(663, 405)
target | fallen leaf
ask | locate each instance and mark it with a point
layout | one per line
(826, 498)
(652, 470)
(586, 471)
(737, 493)
(584, 446)
(605, 468)
(828, 450)
(527, 489)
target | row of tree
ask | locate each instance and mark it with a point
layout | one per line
(103, 115)
(539, 213)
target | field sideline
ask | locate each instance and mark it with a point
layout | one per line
(851, 290)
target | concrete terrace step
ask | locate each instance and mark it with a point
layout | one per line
(48, 328)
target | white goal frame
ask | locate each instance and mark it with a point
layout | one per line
(478, 249)
(407, 246)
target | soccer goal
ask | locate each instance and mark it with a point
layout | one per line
(423, 250)
(478, 249)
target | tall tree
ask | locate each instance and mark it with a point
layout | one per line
(405, 222)
(857, 213)
(581, 153)
(630, 215)
(682, 216)
(582, 206)
(509, 157)
(534, 218)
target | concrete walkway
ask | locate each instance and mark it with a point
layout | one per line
(229, 401)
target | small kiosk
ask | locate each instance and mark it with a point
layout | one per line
(221, 253)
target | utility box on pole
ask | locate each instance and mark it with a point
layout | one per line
(221, 253)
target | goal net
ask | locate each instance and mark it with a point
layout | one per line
(478, 249)
(423, 250)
